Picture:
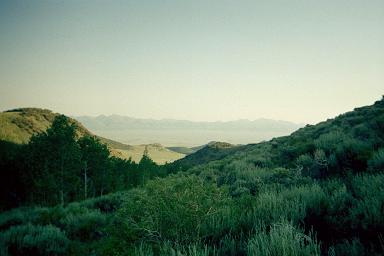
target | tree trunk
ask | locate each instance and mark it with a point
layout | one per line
(85, 180)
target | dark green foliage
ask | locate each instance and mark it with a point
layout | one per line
(53, 162)
(149, 167)
(283, 239)
(83, 225)
(56, 167)
(173, 208)
(95, 160)
(347, 248)
(376, 163)
(316, 192)
(34, 240)
(12, 190)
(210, 152)
(106, 204)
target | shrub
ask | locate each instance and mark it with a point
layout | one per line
(376, 163)
(283, 239)
(34, 240)
(305, 163)
(169, 249)
(106, 204)
(174, 209)
(288, 204)
(328, 142)
(84, 226)
(353, 155)
(15, 217)
(368, 209)
(347, 248)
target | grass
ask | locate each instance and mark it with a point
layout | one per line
(283, 239)
(34, 240)
(157, 153)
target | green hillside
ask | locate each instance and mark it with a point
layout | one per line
(19, 125)
(362, 128)
(205, 154)
(212, 145)
(318, 191)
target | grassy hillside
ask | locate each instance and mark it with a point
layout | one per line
(19, 125)
(156, 152)
(316, 192)
(212, 144)
(210, 152)
(364, 125)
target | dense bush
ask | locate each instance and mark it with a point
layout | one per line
(283, 239)
(376, 163)
(368, 209)
(34, 240)
(347, 248)
(168, 249)
(106, 204)
(84, 226)
(173, 209)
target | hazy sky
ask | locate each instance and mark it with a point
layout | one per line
(301, 61)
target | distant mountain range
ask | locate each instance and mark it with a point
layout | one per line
(183, 133)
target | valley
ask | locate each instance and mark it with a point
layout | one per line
(316, 191)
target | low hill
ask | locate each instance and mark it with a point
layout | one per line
(18, 126)
(182, 150)
(207, 153)
(188, 151)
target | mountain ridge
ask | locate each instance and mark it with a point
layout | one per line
(184, 133)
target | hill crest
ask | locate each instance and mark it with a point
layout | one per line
(20, 124)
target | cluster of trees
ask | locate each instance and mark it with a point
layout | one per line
(57, 167)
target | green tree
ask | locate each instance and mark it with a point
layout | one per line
(95, 161)
(148, 168)
(54, 164)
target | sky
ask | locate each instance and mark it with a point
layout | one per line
(301, 61)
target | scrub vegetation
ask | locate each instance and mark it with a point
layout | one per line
(319, 191)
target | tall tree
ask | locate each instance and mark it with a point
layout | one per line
(96, 168)
(54, 161)
(147, 166)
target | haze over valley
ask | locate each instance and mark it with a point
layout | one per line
(169, 132)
